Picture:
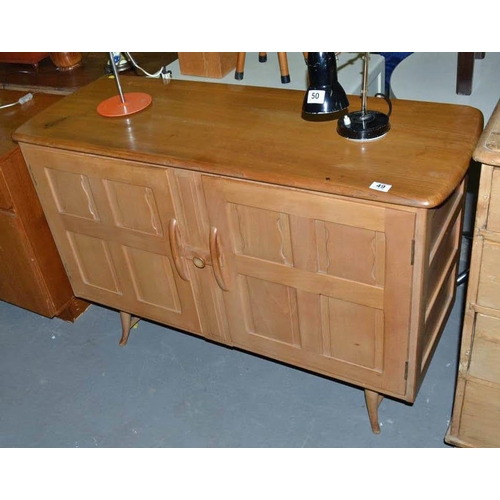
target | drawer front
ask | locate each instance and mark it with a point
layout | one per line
(20, 280)
(485, 355)
(488, 294)
(479, 424)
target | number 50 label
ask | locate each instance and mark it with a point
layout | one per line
(316, 97)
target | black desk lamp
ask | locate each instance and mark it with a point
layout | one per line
(325, 95)
(361, 125)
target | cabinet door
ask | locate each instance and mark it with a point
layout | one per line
(117, 232)
(317, 281)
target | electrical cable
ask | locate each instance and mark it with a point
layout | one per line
(162, 72)
(21, 100)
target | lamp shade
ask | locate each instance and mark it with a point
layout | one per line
(324, 95)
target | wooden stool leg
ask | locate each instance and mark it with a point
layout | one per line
(373, 400)
(128, 321)
(240, 66)
(262, 57)
(285, 74)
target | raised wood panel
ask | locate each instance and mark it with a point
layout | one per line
(153, 279)
(248, 224)
(356, 334)
(94, 263)
(362, 260)
(72, 194)
(133, 207)
(444, 257)
(442, 217)
(437, 311)
(297, 289)
(270, 310)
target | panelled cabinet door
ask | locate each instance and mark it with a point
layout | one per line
(116, 229)
(317, 281)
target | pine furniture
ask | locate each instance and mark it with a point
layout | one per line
(475, 421)
(220, 211)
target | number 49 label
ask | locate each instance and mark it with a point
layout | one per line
(380, 186)
(316, 97)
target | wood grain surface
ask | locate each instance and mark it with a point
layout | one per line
(259, 134)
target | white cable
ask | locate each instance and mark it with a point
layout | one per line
(162, 72)
(21, 100)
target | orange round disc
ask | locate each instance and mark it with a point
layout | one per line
(134, 102)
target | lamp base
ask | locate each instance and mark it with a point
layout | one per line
(134, 102)
(122, 65)
(363, 126)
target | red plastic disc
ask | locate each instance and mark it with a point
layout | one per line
(134, 102)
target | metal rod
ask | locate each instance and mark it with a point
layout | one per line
(364, 85)
(115, 72)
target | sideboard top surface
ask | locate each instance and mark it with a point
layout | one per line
(14, 116)
(259, 134)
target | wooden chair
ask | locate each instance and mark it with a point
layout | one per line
(283, 62)
(465, 71)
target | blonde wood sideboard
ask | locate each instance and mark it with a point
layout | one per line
(218, 210)
(476, 411)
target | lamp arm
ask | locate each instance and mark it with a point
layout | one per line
(364, 85)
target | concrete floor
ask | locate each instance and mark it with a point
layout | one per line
(71, 385)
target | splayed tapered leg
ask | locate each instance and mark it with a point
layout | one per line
(373, 400)
(128, 321)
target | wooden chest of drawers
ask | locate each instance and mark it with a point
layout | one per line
(32, 275)
(476, 411)
(220, 211)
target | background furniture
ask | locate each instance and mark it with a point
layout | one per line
(432, 76)
(282, 59)
(283, 250)
(207, 64)
(465, 71)
(32, 275)
(349, 67)
(48, 79)
(476, 410)
(31, 58)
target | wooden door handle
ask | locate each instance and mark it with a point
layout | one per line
(174, 237)
(217, 259)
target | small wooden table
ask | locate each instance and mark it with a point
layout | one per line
(220, 211)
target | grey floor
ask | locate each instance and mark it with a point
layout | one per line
(71, 385)
(65, 385)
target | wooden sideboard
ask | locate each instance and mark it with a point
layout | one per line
(32, 275)
(220, 211)
(476, 410)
